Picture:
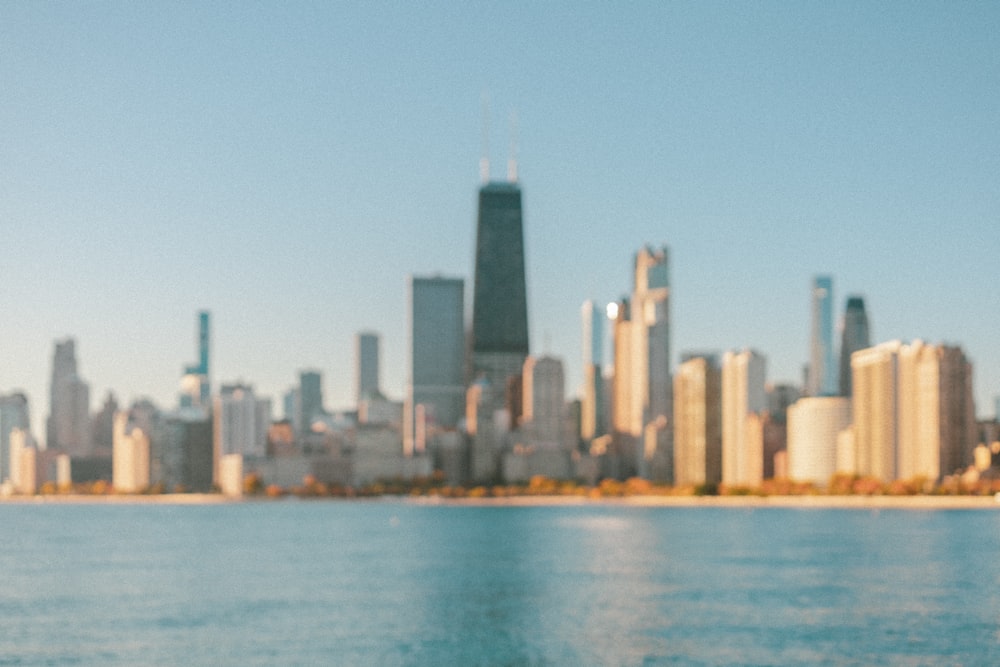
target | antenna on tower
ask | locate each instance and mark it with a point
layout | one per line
(484, 160)
(512, 160)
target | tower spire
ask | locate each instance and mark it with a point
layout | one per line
(512, 160)
(484, 160)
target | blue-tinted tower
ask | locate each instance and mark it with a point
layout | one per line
(822, 379)
(196, 389)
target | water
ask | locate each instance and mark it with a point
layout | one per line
(390, 583)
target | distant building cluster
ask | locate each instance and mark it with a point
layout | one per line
(479, 408)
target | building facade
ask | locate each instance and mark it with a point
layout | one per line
(855, 336)
(499, 303)
(814, 426)
(544, 413)
(822, 376)
(437, 380)
(367, 355)
(130, 459)
(68, 425)
(913, 409)
(241, 424)
(698, 422)
(642, 399)
(744, 401)
(14, 414)
(196, 387)
(592, 402)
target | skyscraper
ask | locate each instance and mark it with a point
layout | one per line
(436, 391)
(14, 414)
(873, 410)
(697, 422)
(642, 384)
(854, 336)
(544, 404)
(196, 387)
(743, 401)
(68, 425)
(241, 421)
(822, 380)
(367, 359)
(592, 408)
(310, 398)
(130, 457)
(814, 425)
(913, 411)
(500, 303)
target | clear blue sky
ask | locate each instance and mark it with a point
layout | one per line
(288, 164)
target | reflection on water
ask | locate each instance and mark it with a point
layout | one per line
(397, 584)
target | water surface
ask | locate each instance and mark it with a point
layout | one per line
(391, 583)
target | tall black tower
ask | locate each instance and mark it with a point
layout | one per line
(500, 303)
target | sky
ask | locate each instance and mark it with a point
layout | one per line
(287, 165)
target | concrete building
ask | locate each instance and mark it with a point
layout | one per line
(642, 403)
(698, 422)
(936, 412)
(14, 414)
(744, 401)
(914, 415)
(814, 425)
(130, 456)
(543, 417)
(68, 425)
(231, 475)
(241, 423)
(23, 463)
(874, 410)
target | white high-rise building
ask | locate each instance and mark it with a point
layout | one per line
(814, 426)
(744, 400)
(642, 401)
(914, 415)
(130, 456)
(23, 466)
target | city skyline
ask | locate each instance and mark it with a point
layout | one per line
(287, 169)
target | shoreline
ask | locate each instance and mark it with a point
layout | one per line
(736, 502)
(746, 502)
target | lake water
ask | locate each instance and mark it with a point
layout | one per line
(391, 583)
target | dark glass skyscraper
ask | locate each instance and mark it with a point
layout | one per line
(855, 336)
(500, 302)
